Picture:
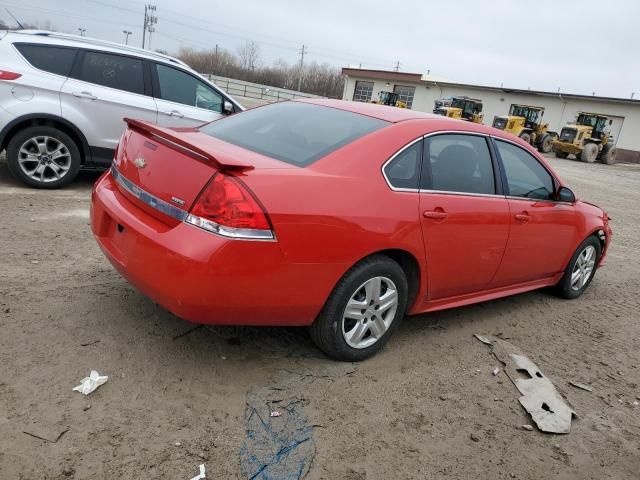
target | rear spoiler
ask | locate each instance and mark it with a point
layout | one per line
(172, 139)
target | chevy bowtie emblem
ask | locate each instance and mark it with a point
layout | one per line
(140, 162)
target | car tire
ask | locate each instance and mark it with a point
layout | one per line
(30, 156)
(544, 145)
(571, 287)
(357, 335)
(560, 154)
(589, 153)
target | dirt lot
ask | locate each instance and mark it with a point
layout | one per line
(173, 402)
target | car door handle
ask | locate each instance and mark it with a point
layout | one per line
(174, 113)
(87, 95)
(523, 217)
(437, 215)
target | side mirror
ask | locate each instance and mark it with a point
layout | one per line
(566, 195)
(228, 107)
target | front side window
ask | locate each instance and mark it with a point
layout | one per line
(458, 163)
(405, 94)
(51, 59)
(295, 132)
(526, 177)
(363, 91)
(180, 87)
(404, 170)
(114, 71)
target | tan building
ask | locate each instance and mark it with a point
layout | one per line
(421, 91)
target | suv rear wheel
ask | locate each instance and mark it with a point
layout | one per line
(43, 157)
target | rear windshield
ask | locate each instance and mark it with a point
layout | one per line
(296, 133)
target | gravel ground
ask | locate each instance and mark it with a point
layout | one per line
(426, 407)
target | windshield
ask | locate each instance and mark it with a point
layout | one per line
(530, 114)
(588, 120)
(294, 132)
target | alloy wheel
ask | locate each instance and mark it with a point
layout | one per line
(369, 312)
(44, 159)
(583, 268)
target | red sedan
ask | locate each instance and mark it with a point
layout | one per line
(340, 216)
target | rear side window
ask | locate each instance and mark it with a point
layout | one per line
(404, 170)
(51, 59)
(180, 87)
(458, 163)
(526, 177)
(114, 71)
(294, 132)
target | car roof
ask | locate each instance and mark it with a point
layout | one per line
(63, 39)
(382, 112)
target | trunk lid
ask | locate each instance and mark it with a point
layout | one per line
(163, 170)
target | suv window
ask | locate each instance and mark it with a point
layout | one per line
(404, 170)
(180, 87)
(458, 163)
(114, 71)
(526, 177)
(294, 132)
(51, 59)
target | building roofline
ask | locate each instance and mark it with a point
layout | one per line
(385, 74)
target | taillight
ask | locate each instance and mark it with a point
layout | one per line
(5, 75)
(228, 208)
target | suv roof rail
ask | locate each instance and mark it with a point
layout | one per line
(104, 43)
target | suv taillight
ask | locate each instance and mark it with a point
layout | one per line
(6, 75)
(228, 208)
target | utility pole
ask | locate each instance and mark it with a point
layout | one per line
(396, 68)
(82, 30)
(126, 36)
(149, 22)
(303, 50)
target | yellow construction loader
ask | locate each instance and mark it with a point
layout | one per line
(589, 139)
(464, 108)
(525, 121)
(390, 98)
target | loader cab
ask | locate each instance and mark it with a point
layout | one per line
(469, 106)
(532, 115)
(598, 123)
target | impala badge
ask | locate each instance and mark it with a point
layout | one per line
(140, 162)
(177, 200)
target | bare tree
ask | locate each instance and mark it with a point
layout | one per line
(319, 79)
(249, 54)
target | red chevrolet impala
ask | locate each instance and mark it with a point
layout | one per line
(341, 216)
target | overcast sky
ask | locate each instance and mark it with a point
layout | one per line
(579, 46)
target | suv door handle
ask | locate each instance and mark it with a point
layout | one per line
(523, 217)
(437, 215)
(174, 113)
(87, 95)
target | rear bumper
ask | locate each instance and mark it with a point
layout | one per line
(202, 277)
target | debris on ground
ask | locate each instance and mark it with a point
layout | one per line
(90, 383)
(201, 475)
(50, 435)
(582, 386)
(482, 338)
(527, 427)
(474, 437)
(86, 407)
(495, 371)
(282, 449)
(86, 344)
(275, 413)
(540, 399)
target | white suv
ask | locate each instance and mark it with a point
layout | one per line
(63, 98)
